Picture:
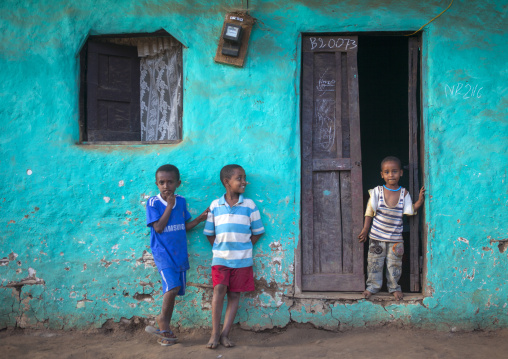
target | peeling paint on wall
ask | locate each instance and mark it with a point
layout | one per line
(502, 244)
(30, 280)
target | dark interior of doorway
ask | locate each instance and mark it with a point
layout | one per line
(383, 85)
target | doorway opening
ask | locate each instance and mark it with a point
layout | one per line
(360, 103)
(384, 69)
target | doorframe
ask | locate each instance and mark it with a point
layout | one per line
(425, 290)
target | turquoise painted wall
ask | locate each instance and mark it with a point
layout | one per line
(72, 216)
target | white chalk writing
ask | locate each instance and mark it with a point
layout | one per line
(319, 43)
(325, 110)
(325, 85)
(466, 91)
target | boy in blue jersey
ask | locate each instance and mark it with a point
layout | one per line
(168, 219)
(233, 226)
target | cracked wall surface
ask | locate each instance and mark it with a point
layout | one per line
(74, 246)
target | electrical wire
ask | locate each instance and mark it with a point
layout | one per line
(434, 18)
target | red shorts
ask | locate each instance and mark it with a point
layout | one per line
(236, 279)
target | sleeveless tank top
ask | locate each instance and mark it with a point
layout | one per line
(387, 223)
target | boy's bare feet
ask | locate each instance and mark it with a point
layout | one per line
(226, 342)
(367, 294)
(213, 343)
(398, 295)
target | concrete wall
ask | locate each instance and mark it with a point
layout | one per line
(72, 216)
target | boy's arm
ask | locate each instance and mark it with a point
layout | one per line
(421, 199)
(201, 218)
(365, 231)
(255, 237)
(162, 222)
(209, 230)
(369, 214)
(256, 226)
(211, 239)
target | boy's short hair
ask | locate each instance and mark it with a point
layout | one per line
(168, 168)
(391, 159)
(227, 172)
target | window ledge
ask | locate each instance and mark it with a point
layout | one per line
(129, 143)
(357, 296)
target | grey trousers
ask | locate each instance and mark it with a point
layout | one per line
(378, 252)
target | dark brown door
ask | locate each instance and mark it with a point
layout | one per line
(414, 186)
(332, 205)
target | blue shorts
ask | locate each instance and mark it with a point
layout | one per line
(172, 279)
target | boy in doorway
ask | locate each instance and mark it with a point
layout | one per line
(168, 219)
(387, 205)
(233, 226)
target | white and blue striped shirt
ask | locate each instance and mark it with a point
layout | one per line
(232, 228)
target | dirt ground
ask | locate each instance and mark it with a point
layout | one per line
(296, 341)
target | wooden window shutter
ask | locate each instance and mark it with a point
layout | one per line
(332, 199)
(113, 111)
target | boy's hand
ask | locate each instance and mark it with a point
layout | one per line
(203, 216)
(170, 199)
(422, 193)
(421, 196)
(363, 235)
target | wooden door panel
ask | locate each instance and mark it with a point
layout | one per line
(332, 258)
(324, 144)
(327, 223)
(331, 164)
(332, 282)
(414, 187)
(348, 239)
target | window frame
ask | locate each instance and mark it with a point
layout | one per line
(83, 68)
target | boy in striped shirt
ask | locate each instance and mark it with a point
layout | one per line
(233, 226)
(387, 205)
